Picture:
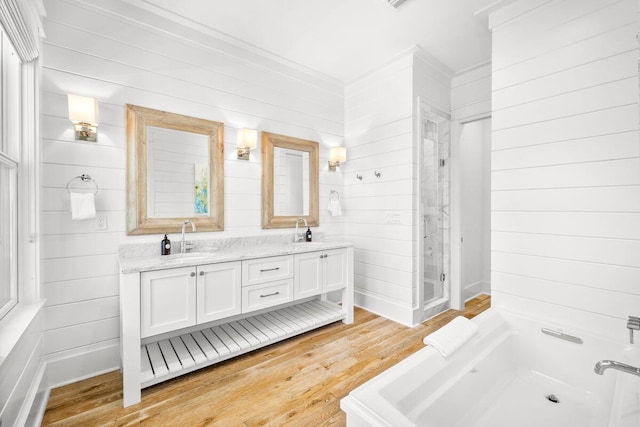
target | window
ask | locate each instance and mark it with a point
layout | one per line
(10, 109)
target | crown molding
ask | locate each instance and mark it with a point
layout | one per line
(145, 15)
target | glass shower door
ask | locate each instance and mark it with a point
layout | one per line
(434, 184)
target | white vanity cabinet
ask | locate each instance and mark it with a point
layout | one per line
(319, 272)
(177, 298)
(177, 316)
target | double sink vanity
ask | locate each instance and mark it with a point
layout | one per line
(226, 297)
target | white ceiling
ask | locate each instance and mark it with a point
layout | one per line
(345, 39)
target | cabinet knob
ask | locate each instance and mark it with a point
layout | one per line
(202, 273)
(193, 273)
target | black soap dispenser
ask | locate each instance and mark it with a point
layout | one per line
(165, 246)
(308, 235)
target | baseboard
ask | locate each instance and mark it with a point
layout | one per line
(473, 290)
(79, 364)
(395, 311)
(39, 393)
(61, 369)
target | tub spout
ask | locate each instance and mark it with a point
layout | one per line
(603, 365)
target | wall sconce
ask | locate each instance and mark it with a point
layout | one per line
(247, 139)
(337, 155)
(83, 112)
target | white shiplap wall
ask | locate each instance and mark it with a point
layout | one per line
(566, 161)
(379, 133)
(96, 52)
(471, 93)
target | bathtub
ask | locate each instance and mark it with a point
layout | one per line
(508, 374)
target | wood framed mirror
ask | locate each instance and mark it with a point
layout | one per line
(175, 171)
(289, 181)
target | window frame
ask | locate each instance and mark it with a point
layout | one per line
(11, 144)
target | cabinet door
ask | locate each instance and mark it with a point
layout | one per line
(334, 270)
(219, 291)
(307, 276)
(167, 300)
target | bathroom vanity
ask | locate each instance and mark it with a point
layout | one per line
(179, 313)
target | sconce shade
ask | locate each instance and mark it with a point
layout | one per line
(83, 109)
(83, 112)
(338, 154)
(247, 138)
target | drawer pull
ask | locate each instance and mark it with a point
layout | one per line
(270, 269)
(270, 295)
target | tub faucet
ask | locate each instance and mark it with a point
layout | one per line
(186, 246)
(299, 237)
(603, 365)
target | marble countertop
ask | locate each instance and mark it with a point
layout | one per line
(132, 261)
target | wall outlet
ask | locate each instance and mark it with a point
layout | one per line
(101, 222)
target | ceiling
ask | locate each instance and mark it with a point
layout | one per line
(345, 39)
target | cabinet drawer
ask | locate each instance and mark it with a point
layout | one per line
(266, 295)
(255, 271)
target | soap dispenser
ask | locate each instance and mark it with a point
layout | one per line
(165, 246)
(308, 235)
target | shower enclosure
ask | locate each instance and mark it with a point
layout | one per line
(433, 212)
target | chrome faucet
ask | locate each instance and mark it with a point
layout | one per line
(603, 365)
(299, 237)
(186, 246)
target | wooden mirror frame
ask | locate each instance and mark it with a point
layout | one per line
(269, 142)
(138, 118)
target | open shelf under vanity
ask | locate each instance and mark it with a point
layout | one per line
(172, 357)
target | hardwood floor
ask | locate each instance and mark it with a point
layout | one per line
(296, 382)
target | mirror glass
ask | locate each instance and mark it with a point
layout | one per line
(289, 181)
(174, 172)
(177, 174)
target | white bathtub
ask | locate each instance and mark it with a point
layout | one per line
(503, 377)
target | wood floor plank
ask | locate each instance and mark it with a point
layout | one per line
(297, 382)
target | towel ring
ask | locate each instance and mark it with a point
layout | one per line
(337, 198)
(85, 178)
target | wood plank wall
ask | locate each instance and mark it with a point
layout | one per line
(379, 134)
(566, 161)
(91, 49)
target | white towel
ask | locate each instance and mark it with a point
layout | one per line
(83, 205)
(334, 207)
(452, 335)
